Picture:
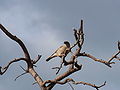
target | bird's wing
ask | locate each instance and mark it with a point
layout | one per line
(61, 50)
(55, 53)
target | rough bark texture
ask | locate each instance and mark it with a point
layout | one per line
(72, 63)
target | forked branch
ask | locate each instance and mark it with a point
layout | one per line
(95, 59)
(76, 83)
(27, 59)
(72, 63)
(17, 40)
(4, 69)
(79, 36)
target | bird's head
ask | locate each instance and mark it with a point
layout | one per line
(67, 43)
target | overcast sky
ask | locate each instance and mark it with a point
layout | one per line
(44, 25)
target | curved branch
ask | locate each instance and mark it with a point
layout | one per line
(95, 59)
(118, 45)
(37, 59)
(60, 77)
(73, 65)
(114, 56)
(4, 69)
(17, 40)
(20, 75)
(89, 84)
(79, 36)
(30, 63)
(74, 82)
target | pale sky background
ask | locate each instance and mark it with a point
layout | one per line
(44, 25)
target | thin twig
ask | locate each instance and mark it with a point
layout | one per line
(60, 77)
(95, 59)
(81, 35)
(118, 45)
(17, 40)
(74, 82)
(26, 71)
(36, 60)
(27, 58)
(59, 68)
(23, 68)
(71, 86)
(114, 56)
(20, 75)
(4, 69)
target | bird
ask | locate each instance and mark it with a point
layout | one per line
(61, 51)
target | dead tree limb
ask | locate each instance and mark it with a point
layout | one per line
(95, 59)
(74, 82)
(4, 69)
(27, 58)
(16, 40)
(79, 37)
(72, 63)
(60, 77)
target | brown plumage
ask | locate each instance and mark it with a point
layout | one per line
(61, 51)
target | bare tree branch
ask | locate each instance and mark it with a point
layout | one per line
(26, 71)
(118, 45)
(4, 69)
(23, 69)
(17, 40)
(74, 82)
(89, 84)
(27, 58)
(71, 86)
(77, 40)
(79, 36)
(59, 68)
(36, 60)
(62, 76)
(20, 75)
(95, 59)
(114, 56)
(72, 63)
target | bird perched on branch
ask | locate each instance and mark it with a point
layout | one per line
(61, 51)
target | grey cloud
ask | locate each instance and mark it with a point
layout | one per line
(44, 25)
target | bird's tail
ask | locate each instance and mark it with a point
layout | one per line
(49, 58)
